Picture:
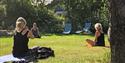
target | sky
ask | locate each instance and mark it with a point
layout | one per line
(48, 1)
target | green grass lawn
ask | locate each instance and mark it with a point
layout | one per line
(67, 48)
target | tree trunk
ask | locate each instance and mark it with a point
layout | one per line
(74, 25)
(117, 9)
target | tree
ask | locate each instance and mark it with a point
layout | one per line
(117, 9)
(81, 10)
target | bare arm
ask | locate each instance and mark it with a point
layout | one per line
(30, 34)
(97, 34)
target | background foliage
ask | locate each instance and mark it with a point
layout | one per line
(44, 15)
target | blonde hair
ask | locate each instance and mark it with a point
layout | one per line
(98, 27)
(34, 24)
(20, 23)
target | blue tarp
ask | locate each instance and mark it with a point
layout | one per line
(87, 26)
(67, 28)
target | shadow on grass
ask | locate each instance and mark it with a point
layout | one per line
(59, 34)
(6, 36)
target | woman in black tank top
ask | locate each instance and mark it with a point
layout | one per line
(21, 38)
(99, 37)
(20, 47)
(100, 40)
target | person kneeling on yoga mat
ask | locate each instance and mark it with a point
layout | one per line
(21, 38)
(99, 37)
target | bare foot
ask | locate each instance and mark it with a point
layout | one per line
(107, 46)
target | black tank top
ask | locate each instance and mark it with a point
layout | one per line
(101, 40)
(20, 46)
(35, 33)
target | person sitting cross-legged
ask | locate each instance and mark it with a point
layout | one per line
(35, 31)
(99, 37)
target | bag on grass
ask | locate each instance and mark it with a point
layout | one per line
(37, 53)
(43, 52)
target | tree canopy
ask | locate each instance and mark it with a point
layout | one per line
(44, 14)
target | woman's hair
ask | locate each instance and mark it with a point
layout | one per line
(34, 24)
(20, 23)
(98, 27)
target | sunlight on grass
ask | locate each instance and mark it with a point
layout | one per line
(67, 48)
